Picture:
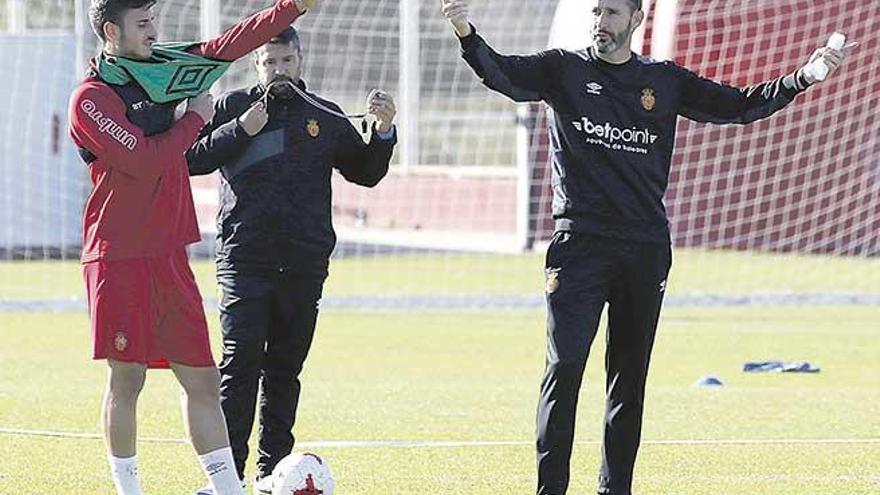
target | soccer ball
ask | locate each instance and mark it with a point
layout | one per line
(302, 474)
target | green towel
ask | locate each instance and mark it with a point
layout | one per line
(170, 74)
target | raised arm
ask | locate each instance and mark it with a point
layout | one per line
(99, 124)
(520, 78)
(362, 164)
(704, 100)
(254, 31)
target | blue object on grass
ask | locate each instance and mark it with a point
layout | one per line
(709, 381)
(780, 367)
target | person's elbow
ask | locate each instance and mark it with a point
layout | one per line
(196, 165)
(506, 88)
(200, 160)
(747, 118)
(196, 169)
(371, 180)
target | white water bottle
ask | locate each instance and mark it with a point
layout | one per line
(818, 69)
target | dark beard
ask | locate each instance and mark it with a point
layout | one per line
(616, 41)
(281, 88)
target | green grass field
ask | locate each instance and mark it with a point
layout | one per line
(694, 271)
(444, 402)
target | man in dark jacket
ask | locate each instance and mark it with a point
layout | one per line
(613, 117)
(276, 153)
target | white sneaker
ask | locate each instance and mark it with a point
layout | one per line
(263, 486)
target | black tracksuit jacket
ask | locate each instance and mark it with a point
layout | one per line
(612, 128)
(275, 211)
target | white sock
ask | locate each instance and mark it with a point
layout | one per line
(220, 468)
(125, 475)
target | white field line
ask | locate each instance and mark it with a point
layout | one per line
(439, 444)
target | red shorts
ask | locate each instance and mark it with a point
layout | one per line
(147, 310)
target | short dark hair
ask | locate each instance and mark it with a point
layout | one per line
(287, 37)
(635, 4)
(104, 11)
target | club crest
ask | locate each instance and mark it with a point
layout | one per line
(120, 342)
(313, 128)
(648, 99)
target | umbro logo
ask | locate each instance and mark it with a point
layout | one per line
(594, 88)
(215, 467)
(109, 127)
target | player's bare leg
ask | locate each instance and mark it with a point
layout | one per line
(206, 426)
(119, 419)
(204, 419)
(124, 384)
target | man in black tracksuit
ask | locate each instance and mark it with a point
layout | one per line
(276, 154)
(613, 117)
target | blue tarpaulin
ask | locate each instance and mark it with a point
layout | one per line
(780, 367)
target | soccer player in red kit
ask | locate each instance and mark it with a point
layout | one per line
(144, 304)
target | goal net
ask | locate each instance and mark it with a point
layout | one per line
(778, 207)
(786, 210)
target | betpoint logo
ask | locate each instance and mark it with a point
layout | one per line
(612, 133)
